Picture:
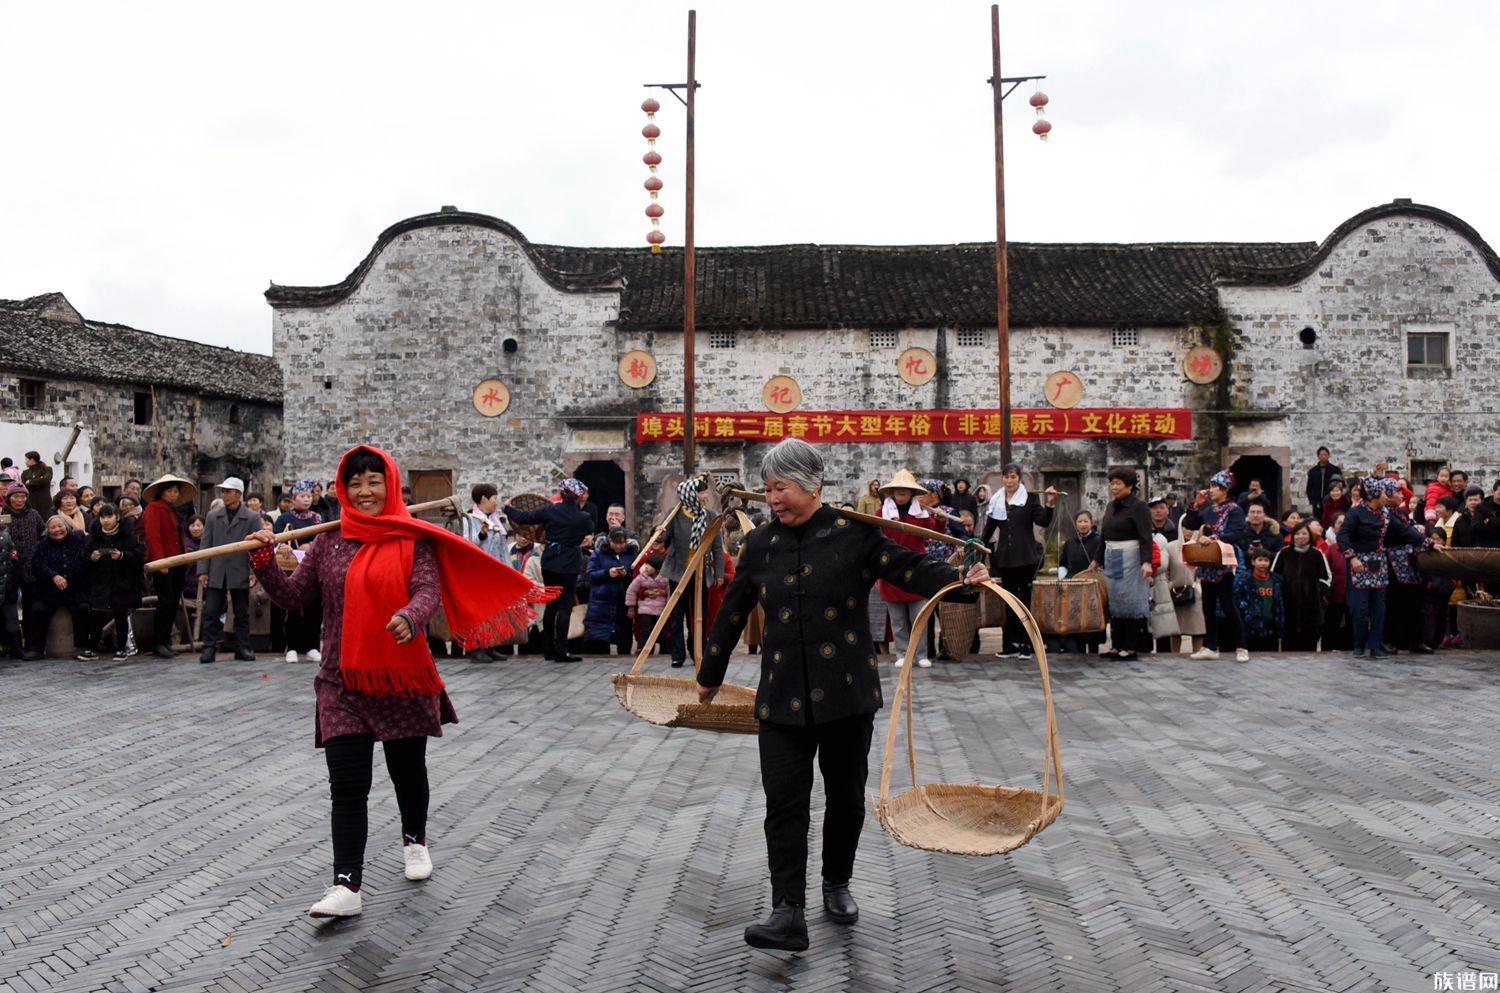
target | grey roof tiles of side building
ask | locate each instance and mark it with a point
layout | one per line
(99, 352)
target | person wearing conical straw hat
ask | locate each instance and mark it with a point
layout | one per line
(163, 532)
(381, 577)
(899, 503)
(812, 570)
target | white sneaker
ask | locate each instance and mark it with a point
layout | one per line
(900, 661)
(924, 663)
(1241, 655)
(291, 656)
(315, 657)
(1205, 655)
(418, 861)
(338, 901)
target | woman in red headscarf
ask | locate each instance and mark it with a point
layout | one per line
(381, 578)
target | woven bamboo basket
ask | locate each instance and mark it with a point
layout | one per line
(960, 623)
(968, 818)
(673, 702)
(529, 501)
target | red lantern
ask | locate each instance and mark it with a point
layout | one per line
(654, 184)
(1039, 100)
(651, 106)
(653, 210)
(651, 131)
(1041, 127)
(656, 238)
(652, 158)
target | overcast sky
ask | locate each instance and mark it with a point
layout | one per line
(164, 162)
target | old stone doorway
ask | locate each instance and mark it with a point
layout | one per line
(606, 482)
(1266, 469)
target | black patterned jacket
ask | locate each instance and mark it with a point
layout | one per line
(817, 660)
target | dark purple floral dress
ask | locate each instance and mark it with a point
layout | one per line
(344, 711)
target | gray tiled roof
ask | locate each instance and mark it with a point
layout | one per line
(100, 352)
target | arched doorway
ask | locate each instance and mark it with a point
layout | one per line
(1266, 469)
(606, 482)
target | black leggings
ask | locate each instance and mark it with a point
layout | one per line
(121, 617)
(1221, 593)
(559, 613)
(168, 595)
(349, 774)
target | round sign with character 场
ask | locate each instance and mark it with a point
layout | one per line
(1202, 365)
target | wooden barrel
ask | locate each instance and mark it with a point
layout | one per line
(991, 610)
(1069, 606)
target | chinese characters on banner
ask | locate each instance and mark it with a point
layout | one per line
(922, 425)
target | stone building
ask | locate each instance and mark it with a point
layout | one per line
(145, 404)
(1313, 341)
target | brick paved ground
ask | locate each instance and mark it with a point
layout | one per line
(1294, 824)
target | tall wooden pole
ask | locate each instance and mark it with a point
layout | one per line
(689, 289)
(1001, 267)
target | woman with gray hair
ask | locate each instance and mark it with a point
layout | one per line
(62, 582)
(812, 570)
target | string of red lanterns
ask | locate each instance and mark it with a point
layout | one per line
(1042, 125)
(652, 158)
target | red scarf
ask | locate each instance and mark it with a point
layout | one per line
(484, 599)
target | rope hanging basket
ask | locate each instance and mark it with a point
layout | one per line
(673, 702)
(529, 501)
(968, 818)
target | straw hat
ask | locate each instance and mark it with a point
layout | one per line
(903, 480)
(186, 494)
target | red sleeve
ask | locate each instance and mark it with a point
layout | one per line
(162, 539)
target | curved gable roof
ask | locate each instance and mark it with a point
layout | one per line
(1295, 272)
(322, 296)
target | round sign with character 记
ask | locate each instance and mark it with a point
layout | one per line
(781, 394)
(491, 398)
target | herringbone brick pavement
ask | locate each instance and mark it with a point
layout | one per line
(1300, 823)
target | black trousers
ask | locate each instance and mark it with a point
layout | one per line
(41, 618)
(121, 617)
(349, 775)
(680, 624)
(1403, 615)
(168, 594)
(842, 748)
(557, 613)
(304, 628)
(1338, 634)
(1221, 593)
(1017, 579)
(213, 628)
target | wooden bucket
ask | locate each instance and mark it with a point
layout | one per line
(991, 610)
(968, 818)
(1069, 606)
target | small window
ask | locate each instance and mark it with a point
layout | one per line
(721, 339)
(145, 409)
(1126, 337)
(970, 337)
(1427, 350)
(1424, 469)
(234, 413)
(33, 394)
(882, 337)
(327, 382)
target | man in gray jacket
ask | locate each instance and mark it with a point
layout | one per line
(228, 576)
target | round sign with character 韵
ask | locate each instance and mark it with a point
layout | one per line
(1064, 389)
(1202, 365)
(781, 394)
(637, 369)
(917, 366)
(491, 397)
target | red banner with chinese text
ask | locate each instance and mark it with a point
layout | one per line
(922, 425)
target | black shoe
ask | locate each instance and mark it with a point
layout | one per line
(480, 655)
(785, 929)
(165, 652)
(31, 656)
(570, 658)
(677, 663)
(1423, 650)
(1125, 656)
(244, 655)
(944, 657)
(207, 656)
(839, 903)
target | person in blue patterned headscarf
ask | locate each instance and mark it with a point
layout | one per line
(568, 526)
(1217, 518)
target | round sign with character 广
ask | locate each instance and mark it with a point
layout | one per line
(1063, 389)
(491, 397)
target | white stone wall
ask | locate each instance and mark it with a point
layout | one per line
(1351, 391)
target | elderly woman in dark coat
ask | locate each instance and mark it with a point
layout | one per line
(61, 581)
(1125, 555)
(26, 532)
(1013, 516)
(819, 688)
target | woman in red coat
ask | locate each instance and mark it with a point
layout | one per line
(164, 539)
(901, 504)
